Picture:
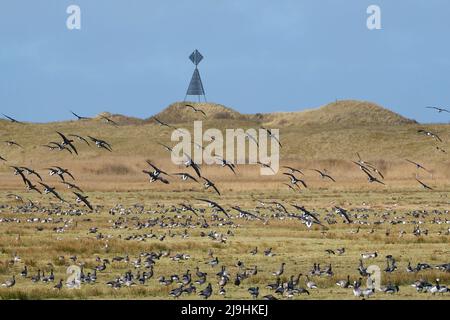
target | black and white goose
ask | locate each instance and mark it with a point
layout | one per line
(156, 171)
(280, 271)
(430, 134)
(67, 142)
(207, 292)
(418, 165)
(101, 144)
(80, 198)
(215, 206)
(225, 163)
(155, 177)
(72, 186)
(295, 180)
(209, 184)
(10, 282)
(190, 163)
(48, 189)
(185, 176)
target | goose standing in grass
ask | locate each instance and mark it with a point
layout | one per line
(280, 271)
(344, 283)
(254, 292)
(10, 282)
(310, 284)
(207, 292)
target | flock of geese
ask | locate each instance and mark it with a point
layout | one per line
(190, 217)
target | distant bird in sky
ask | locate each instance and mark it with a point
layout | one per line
(79, 117)
(439, 109)
(11, 119)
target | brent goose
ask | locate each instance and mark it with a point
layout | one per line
(195, 109)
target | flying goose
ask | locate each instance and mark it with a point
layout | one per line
(295, 180)
(185, 176)
(250, 137)
(109, 121)
(81, 198)
(154, 177)
(167, 148)
(370, 177)
(55, 145)
(161, 123)
(424, 185)
(324, 175)
(67, 142)
(156, 171)
(208, 183)
(418, 166)
(214, 205)
(30, 186)
(101, 143)
(48, 189)
(265, 165)
(80, 138)
(29, 171)
(72, 186)
(11, 119)
(225, 163)
(79, 117)
(195, 109)
(439, 109)
(11, 143)
(293, 170)
(430, 134)
(343, 213)
(246, 213)
(192, 164)
(272, 135)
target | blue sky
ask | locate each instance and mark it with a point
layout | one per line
(131, 57)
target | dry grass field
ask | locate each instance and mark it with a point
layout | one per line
(133, 217)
